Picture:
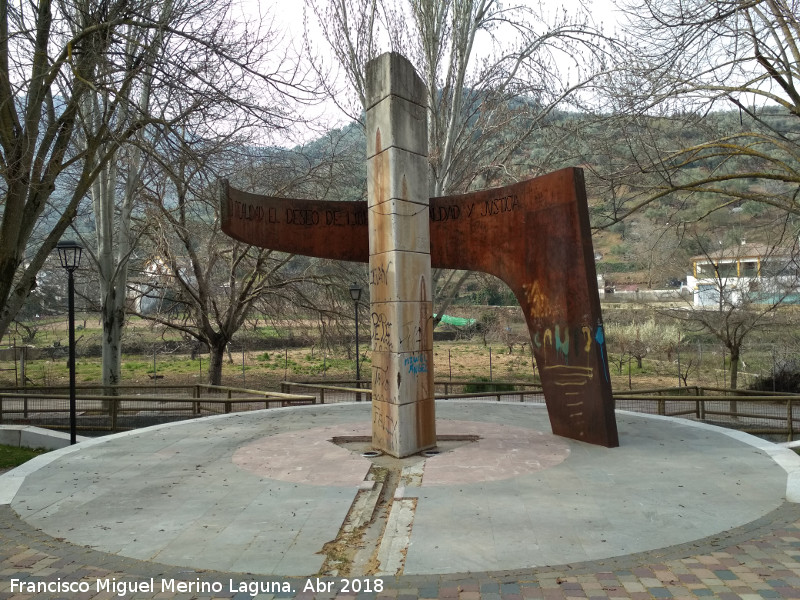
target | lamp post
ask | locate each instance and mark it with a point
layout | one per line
(69, 253)
(355, 294)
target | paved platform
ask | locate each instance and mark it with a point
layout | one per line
(679, 510)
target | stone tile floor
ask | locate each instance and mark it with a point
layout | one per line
(752, 562)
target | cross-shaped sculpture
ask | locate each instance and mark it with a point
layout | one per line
(533, 235)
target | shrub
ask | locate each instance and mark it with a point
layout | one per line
(483, 385)
(786, 378)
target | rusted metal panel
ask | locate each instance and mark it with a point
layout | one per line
(534, 235)
(320, 228)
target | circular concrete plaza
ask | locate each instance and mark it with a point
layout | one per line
(266, 492)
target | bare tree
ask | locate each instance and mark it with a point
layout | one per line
(656, 248)
(207, 283)
(728, 69)
(48, 54)
(739, 290)
(642, 338)
(71, 75)
(196, 69)
(483, 107)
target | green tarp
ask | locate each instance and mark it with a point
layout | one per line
(457, 321)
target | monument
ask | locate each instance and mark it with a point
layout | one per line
(403, 416)
(533, 235)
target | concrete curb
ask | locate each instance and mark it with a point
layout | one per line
(28, 436)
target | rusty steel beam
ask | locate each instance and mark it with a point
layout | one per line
(533, 235)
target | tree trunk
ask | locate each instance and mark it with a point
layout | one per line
(113, 321)
(113, 220)
(216, 355)
(112, 314)
(448, 299)
(734, 368)
(112, 259)
(734, 373)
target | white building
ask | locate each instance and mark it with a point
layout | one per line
(155, 289)
(746, 273)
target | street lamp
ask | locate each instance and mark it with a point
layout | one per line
(355, 294)
(69, 253)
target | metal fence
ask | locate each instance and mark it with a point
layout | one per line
(352, 390)
(775, 416)
(99, 411)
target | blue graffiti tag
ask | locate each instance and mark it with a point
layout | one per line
(600, 338)
(562, 345)
(417, 364)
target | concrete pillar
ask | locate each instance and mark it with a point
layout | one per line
(401, 296)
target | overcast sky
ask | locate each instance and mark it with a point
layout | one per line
(291, 11)
(287, 17)
(288, 14)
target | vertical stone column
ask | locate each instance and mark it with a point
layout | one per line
(403, 414)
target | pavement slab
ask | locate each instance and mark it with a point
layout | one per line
(679, 510)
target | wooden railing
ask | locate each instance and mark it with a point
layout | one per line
(24, 404)
(751, 411)
(348, 390)
(746, 410)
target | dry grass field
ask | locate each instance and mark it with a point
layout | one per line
(162, 357)
(466, 360)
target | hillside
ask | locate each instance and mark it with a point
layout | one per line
(649, 247)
